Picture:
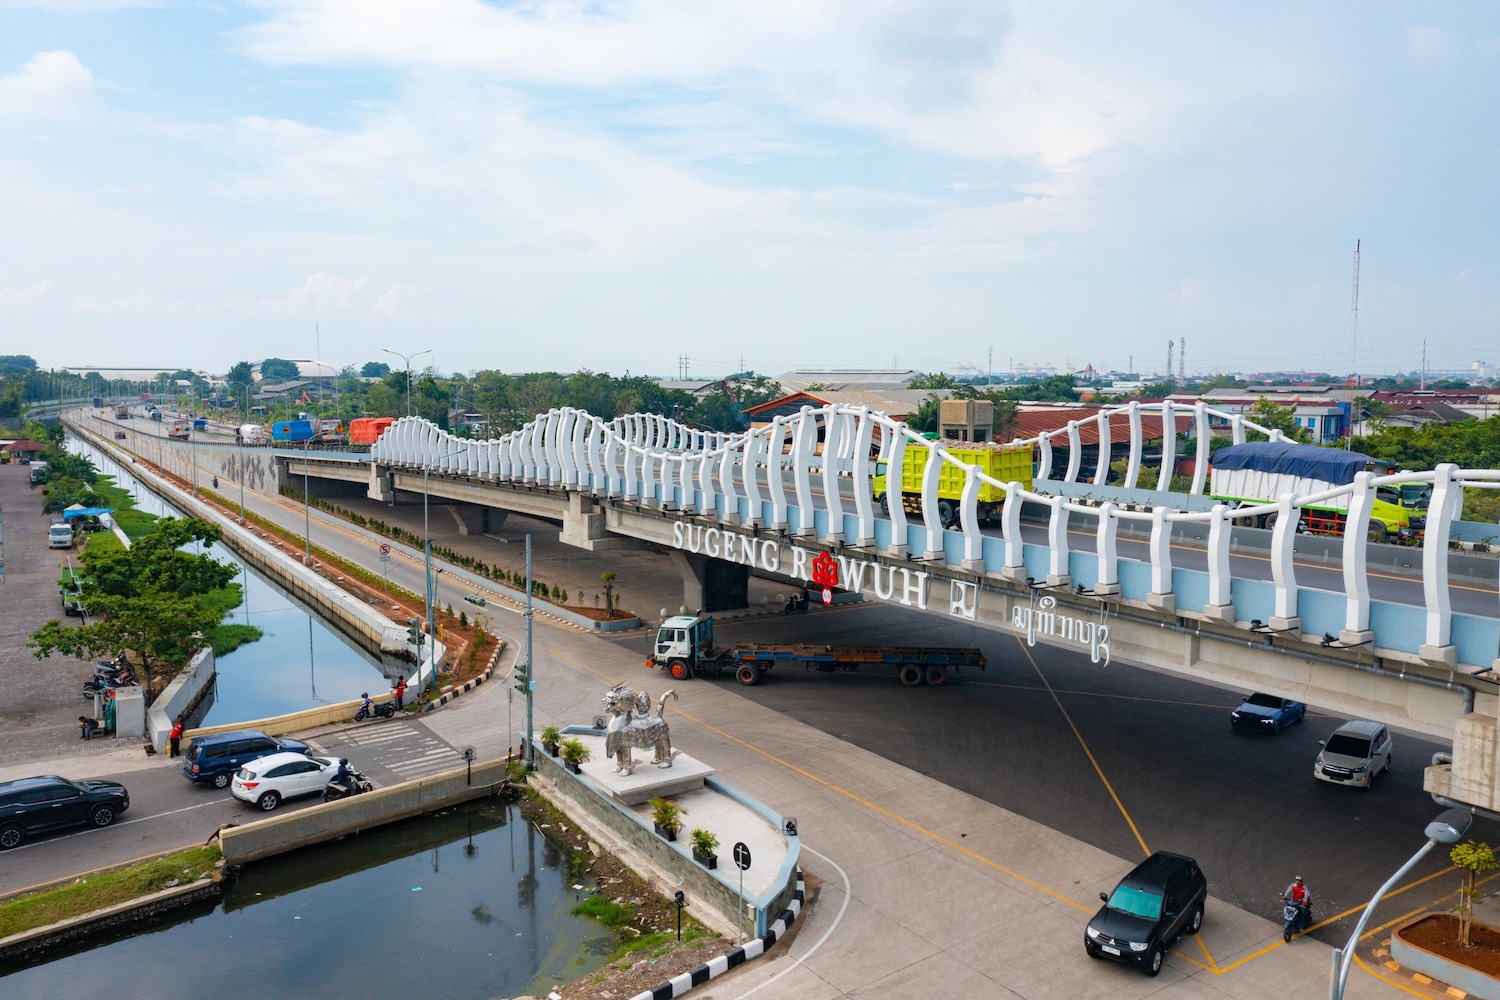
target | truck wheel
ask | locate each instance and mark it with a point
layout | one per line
(748, 675)
(1378, 533)
(679, 670)
(1269, 521)
(947, 514)
(911, 676)
(880, 502)
(936, 676)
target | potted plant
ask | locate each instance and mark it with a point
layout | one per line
(574, 753)
(666, 817)
(705, 848)
(551, 738)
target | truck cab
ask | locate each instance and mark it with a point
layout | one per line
(38, 472)
(681, 642)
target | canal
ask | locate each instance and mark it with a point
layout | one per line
(472, 902)
(299, 662)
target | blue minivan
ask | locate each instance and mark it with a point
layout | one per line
(215, 758)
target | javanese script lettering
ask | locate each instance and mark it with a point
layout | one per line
(1043, 620)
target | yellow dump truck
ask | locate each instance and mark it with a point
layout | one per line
(1003, 463)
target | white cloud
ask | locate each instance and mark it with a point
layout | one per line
(25, 296)
(1193, 301)
(396, 302)
(1428, 44)
(322, 294)
(50, 85)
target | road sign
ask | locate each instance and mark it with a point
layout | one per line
(385, 549)
(827, 595)
(741, 855)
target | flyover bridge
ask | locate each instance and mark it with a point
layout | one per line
(1155, 584)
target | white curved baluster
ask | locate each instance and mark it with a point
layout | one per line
(749, 448)
(804, 434)
(1205, 438)
(968, 506)
(1010, 522)
(1442, 510)
(613, 475)
(1101, 468)
(665, 483)
(1107, 550)
(832, 496)
(1220, 603)
(632, 461)
(1133, 465)
(565, 457)
(1075, 453)
(648, 477)
(1044, 459)
(864, 504)
(776, 472)
(727, 474)
(1168, 446)
(930, 517)
(1161, 595)
(1356, 532)
(1283, 571)
(1057, 541)
(894, 502)
(1237, 428)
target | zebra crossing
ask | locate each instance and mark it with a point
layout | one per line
(391, 752)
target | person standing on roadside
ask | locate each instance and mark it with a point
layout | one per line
(174, 739)
(400, 692)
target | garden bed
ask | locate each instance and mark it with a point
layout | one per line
(1430, 945)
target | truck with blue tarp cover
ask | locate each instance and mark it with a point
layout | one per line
(685, 648)
(297, 431)
(1260, 472)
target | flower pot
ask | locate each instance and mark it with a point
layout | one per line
(576, 769)
(709, 861)
(551, 748)
(665, 834)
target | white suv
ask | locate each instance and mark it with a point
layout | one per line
(1354, 754)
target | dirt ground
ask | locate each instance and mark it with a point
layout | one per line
(1439, 935)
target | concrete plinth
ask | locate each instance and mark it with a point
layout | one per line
(1219, 613)
(648, 781)
(1162, 602)
(1442, 656)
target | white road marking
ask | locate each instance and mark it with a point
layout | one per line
(838, 918)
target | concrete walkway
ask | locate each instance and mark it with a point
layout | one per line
(926, 891)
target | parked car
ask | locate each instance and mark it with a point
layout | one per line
(215, 758)
(36, 805)
(1161, 899)
(268, 780)
(1267, 713)
(1356, 752)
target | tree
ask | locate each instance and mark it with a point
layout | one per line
(935, 380)
(609, 593)
(375, 369)
(156, 562)
(17, 364)
(241, 374)
(276, 370)
(1271, 414)
(1473, 859)
(160, 629)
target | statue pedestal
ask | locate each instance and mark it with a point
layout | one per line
(649, 781)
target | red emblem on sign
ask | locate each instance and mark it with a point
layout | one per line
(825, 570)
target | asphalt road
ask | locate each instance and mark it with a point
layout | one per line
(1120, 757)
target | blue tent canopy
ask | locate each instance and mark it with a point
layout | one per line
(87, 511)
(1305, 461)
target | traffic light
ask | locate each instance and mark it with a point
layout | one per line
(414, 632)
(522, 678)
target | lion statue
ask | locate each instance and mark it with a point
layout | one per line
(632, 725)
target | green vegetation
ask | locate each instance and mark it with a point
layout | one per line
(619, 916)
(95, 892)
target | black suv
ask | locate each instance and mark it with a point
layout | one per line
(36, 805)
(1150, 908)
(215, 758)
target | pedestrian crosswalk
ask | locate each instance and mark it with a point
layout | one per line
(391, 752)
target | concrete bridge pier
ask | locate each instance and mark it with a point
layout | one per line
(584, 527)
(380, 484)
(710, 584)
(476, 519)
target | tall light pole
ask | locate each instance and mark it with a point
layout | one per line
(530, 665)
(306, 508)
(407, 359)
(1448, 828)
(429, 597)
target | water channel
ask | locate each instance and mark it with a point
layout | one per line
(299, 662)
(473, 902)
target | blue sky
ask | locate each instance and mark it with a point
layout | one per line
(778, 184)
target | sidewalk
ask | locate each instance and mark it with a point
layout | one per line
(926, 891)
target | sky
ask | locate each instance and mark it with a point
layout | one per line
(649, 186)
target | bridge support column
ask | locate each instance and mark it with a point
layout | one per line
(710, 584)
(1219, 613)
(380, 484)
(583, 527)
(476, 519)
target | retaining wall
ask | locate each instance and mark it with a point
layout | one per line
(276, 834)
(179, 696)
(30, 945)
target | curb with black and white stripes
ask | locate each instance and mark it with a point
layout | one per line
(678, 985)
(454, 692)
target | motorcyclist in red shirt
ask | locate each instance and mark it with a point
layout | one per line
(1301, 897)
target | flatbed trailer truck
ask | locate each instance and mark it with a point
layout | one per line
(685, 648)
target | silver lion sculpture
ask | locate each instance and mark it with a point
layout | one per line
(632, 725)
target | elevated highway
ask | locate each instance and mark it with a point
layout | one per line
(1338, 622)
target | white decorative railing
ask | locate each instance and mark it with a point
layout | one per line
(744, 479)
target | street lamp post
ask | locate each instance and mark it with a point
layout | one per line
(407, 359)
(428, 596)
(306, 508)
(1448, 828)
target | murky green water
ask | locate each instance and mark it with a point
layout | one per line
(472, 903)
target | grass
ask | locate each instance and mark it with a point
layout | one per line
(135, 523)
(228, 638)
(108, 888)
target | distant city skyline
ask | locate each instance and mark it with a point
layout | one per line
(962, 186)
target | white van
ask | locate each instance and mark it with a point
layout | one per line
(60, 535)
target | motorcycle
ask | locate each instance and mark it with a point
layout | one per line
(355, 784)
(102, 685)
(1294, 917)
(385, 710)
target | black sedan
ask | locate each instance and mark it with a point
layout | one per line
(1267, 713)
(37, 805)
